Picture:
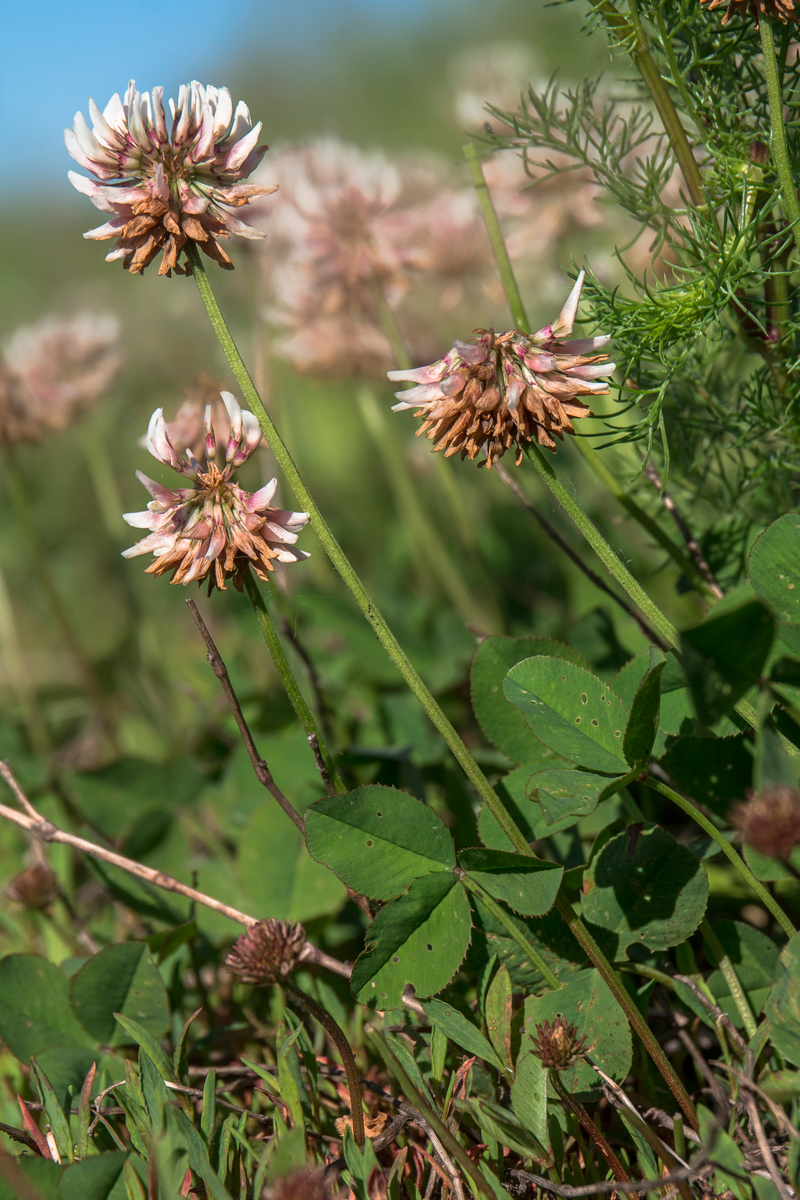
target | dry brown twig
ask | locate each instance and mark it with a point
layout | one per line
(36, 825)
(692, 544)
(764, 1146)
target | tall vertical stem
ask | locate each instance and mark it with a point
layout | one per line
(778, 147)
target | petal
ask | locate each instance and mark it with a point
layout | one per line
(259, 500)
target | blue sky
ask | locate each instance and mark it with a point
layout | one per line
(55, 55)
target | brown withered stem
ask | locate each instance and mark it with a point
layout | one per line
(513, 486)
(692, 544)
(336, 1034)
(260, 768)
(577, 1109)
(36, 825)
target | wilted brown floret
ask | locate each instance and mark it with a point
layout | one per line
(301, 1184)
(770, 821)
(559, 1045)
(268, 952)
(780, 10)
(36, 887)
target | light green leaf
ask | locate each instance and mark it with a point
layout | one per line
(774, 567)
(460, 1030)
(527, 885)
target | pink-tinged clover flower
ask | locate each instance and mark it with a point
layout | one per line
(506, 389)
(213, 527)
(168, 180)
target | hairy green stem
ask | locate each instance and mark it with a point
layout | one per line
(345, 568)
(731, 978)
(637, 1021)
(778, 147)
(511, 927)
(480, 1186)
(727, 849)
(296, 697)
(338, 1038)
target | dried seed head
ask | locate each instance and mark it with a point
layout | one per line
(168, 181)
(780, 10)
(770, 821)
(558, 1046)
(213, 529)
(267, 952)
(300, 1184)
(36, 887)
(509, 389)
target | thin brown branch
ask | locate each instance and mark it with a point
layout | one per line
(324, 773)
(692, 544)
(577, 1109)
(47, 832)
(313, 678)
(714, 1011)
(260, 768)
(703, 1069)
(606, 1187)
(513, 486)
(780, 1116)
(764, 1147)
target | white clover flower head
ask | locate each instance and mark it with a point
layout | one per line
(168, 181)
(508, 389)
(213, 529)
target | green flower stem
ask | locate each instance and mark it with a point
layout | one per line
(778, 147)
(348, 573)
(637, 1021)
(479, 1185)
(296, 698)
(504, 267)
(681, 560)
(602, 549)
(727, 849)
(731, 978)
(513, 930)
(424, 532)
(336, 1034)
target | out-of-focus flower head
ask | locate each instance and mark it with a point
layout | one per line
(507, 389)
(53, 371)
(213, 528)
(268, 952)
(780, 10)
(168, 181)
(770, 821)
(493, 73)
(187, 427)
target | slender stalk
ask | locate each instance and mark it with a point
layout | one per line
(504, 267)
(731, 978)
(577, 1109)
(348, 573)
(422, 528)
(336, 1034)
(500, 914)
(637, 1021)
(727, 849)
(778, 147)
(296, 697)
(618, 570)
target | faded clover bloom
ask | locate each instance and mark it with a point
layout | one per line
(168, 182)
(268, 952)
(780, 10)
(558, 1046)
(54, 370)
(213, 527)
(770, 821)
(507, 389)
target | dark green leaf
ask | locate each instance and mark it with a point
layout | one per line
(514, 791)
(714, 770)
(59, 1123)
(460, 1030)
(645, 887)
(783, 1004)
(570, 792)
(725, 656)
(529, 1097)
(122, 979)
(585, 1000)
(527, 885)
(38, 1178)
(499, 720)
(572, 711)
(378, 839)
(640, 733)
(34, 1008)
(152, 1048)
(277, 873)
(94, 1178)
(774, 567)
(726, 1156)
(498, 1015)
(420, 938)
(755, 960)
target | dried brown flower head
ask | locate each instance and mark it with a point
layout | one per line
(36, 887)
(267, 952)
(770, 821)
(53, 371)
(558, 1046)
(780, 10)
(300, 1184)
(507, 389)
(168, 182)
(213, 529)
